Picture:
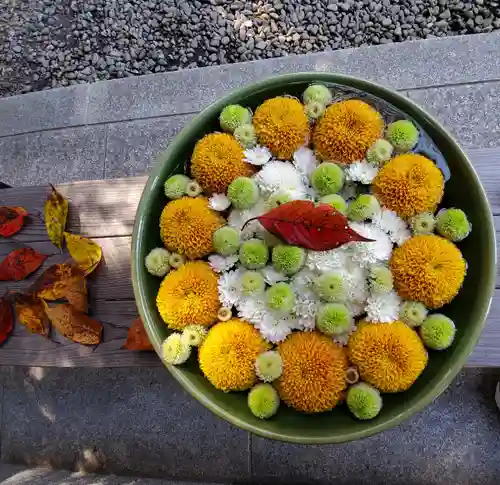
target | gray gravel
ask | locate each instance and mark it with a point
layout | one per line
(51, 43)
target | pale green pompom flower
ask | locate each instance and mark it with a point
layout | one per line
(334, 319)
(331, 287)
(403, 135)
(252, 283)
(277, 199)
(233, 116)
(193, 189)
(413, 313)
(437, 332)
(176, 260)
(269, 366)
(175, 186)
(380, 279)
(245, 135)
(318, 93)
(226, 241)
(174, 350)
(364, 401)
(453, 224)
(363, 207)
(314, 110)
(254, 254)
(336, 201)
(243, 192)
(263, 401)
(280, 297)
(423, 223)
(194, 335)
(327, 178)
(157, 262)
(379, 153)
(288, 259)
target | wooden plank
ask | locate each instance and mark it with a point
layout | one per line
(486, 161)
(24, 348)
(98, 208)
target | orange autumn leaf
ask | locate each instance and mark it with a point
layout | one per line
(56, 213)
(62, 281)
(30, 311)
(20, 263)
(11, 220)
(74, 325)
(6, 319)
(137, 338)
(86, 253)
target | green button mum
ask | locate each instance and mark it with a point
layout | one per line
(280, 297)
(253, 254)
(233, 116)
(327, 178)
(364, 401)
(288, 259)
(243, 193)
(263, 401)
(437, 332)
(453, 224)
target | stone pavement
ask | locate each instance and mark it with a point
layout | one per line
(139, 421)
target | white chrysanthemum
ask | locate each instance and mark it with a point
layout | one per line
(393, 225)
(259, 155)
(219, 202)
(366, 253)
(251, 309)
(277, 176)
(305, 162)
(271, 276)
(220, 263)
(306, 324)
(356, 308)
(361, 171)
(229, 288)
(343, 338)
(238, 218)
(306, 299)
(383, 308)
(326, 260)
(355, 277)
(276, 329)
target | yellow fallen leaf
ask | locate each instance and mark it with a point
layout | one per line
(74, 325)
(56, 213)
(86, 253)
(30, 312)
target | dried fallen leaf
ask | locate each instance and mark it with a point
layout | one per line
(56, 212)
(74, 325)
(86, 253)
(137, 338)
(6, 319)
(11, 220)
(62, 281)
(20, 263)
(301, 223)
(30, 311)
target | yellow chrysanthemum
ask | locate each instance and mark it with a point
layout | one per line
(189, 295)
(409, 184)
(428, 268)
(282, 126)
(347, 130)
(187, 226)
(227, 356)
(389, 356)
(217, 160)
(314, 369)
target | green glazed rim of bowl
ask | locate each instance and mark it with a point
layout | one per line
(488, 276)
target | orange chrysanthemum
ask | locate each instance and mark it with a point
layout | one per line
(409, 184)
(347, 130)
(282, 126)
(187, 226)
(314, 369)
(227, 356)
(428, 268)
(389, 356)
(189, 295)
(217, 160)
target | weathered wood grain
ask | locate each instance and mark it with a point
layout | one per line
(99, 208)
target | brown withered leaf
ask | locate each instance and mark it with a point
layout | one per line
(62, 281)
(56, 213)
(30, 311)
(86, 253)
(137, 338)
(74, 325)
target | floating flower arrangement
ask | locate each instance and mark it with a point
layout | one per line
(306, 257)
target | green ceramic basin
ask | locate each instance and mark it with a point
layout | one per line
(468, 310)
